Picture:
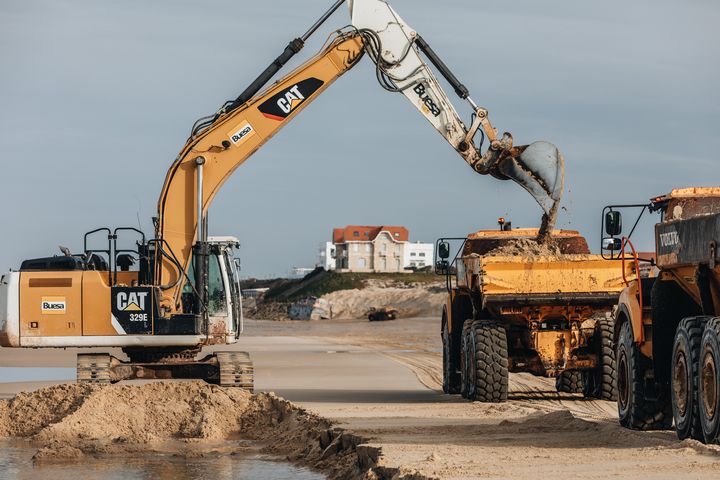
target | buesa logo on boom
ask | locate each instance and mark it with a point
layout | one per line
(244, 132)
(281, 105)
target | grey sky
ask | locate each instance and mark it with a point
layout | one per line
(98, 97)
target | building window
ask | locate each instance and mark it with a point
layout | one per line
(368, 248)
(422, 254)
(356, 234)
(383, 248)
(356, 247)
(397, 235)
(367, 234)
(412, 254)
(361, 263)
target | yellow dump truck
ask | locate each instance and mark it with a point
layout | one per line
(667, 334)
(513, 306)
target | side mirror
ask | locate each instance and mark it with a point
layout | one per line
(613, 244)
(613, 223)
(444, 250)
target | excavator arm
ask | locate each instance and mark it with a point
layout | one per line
(211, 156)
(396, 50)
(222, 142)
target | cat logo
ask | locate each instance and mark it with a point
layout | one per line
(280, 106)
(131, 301)
(53, 306)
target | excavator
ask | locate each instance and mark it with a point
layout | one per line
(163, 299)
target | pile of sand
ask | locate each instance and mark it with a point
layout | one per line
(416, 301)
(186, 418)
(527, 247)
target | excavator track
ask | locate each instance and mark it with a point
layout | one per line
(236, 370)
(94, 368)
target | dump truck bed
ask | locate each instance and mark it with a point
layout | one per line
(564, 280)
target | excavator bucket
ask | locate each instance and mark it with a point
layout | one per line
(540, 169)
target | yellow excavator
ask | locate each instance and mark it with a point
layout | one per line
(164, 298)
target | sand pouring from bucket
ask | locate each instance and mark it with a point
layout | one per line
(539, 168)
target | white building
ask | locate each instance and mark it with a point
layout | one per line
(418, 255)
(299, 272)
(381, 249)
(327, 256)
(369, 249)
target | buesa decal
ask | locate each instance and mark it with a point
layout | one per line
(243, 133)
(132, 308)
(280, 106)
(53, 305)
(427, 103)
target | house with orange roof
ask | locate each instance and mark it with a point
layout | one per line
(379, 249)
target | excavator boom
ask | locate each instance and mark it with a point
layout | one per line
(220, 145)
(209, 158)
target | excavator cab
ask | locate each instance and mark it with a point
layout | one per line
(224, 306)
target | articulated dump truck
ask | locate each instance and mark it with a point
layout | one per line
(668, 328)
(515, 310)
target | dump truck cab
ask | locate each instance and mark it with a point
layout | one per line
(516, 306)
(666, 333)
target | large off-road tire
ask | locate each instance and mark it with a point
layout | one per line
(569, 381)
(470, 365)
(685, 377)
(636, 411)
(709, 381)
(451, 377)
(488, 342)
(465, 361)
(601, 383)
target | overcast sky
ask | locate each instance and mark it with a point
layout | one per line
(99, 96)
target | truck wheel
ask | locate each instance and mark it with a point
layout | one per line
(488, 344)
(471, 371)
(636, 411)
(709, 382)
(569, 381)
(451, 378)
(685, 377)
(464, 360)
(601, 383)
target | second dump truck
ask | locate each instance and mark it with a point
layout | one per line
(515, 310)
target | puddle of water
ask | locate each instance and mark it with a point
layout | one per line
(35, 374)
(16, 464)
